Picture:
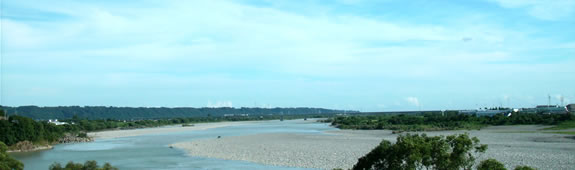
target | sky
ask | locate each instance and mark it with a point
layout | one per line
(366, 55)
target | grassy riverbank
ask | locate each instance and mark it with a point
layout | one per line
(18, 129)
(448, 121)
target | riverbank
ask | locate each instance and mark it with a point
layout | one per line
(27, 146)
(164, 129)
(512, 145)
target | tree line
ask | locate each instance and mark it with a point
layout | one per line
(447, 121)
(19, 128)
(141, 113)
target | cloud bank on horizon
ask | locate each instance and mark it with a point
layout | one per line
(348, 54)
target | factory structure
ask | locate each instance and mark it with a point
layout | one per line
(570, 108)
(539, 109)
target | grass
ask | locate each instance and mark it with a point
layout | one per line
(563, 125)
(556, 132)
(564, 132)
(518, 131)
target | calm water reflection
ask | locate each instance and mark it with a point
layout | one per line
(152, 151)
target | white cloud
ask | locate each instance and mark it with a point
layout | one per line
(413, 101)
(211, 47)
(546, 10)
(219, 104)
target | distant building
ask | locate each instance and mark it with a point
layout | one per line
(528, 110)
(550, 109)
(469, 112)
(236, 115)
(56, 122)
(570, 108)
(493, 112)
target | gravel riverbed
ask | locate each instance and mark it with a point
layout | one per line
(512, 145)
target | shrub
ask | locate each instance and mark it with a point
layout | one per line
(491, 164)
(419, 151)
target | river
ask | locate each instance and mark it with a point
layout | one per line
(152, 152)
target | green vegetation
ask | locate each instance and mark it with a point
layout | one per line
(187, 125)
(19, 128)
(523, 168)
(491, 164)
(419, 151)
(563, 125)
(143, 113)
(88, 165)
(7, 162)
(424, 152)
(563, 132)
(448, 121)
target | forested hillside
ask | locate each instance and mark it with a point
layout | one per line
(139, 113)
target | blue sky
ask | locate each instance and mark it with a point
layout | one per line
(349, 54)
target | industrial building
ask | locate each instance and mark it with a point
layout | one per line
(570, 108)
(550, 109)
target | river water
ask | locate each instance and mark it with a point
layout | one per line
(152, 152)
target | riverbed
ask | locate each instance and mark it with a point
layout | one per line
(150, 149)
(293, 144)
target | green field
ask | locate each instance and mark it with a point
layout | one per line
(563, 125)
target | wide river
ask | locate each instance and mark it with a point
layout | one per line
(152, 152)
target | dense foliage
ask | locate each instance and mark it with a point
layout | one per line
(424, 152)
(7, 162)
(447, 121)
(491, 164)
(88, 165)
(421, 151)
(18, 128)
(141, 113)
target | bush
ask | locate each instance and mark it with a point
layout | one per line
(419, 151)
(7, 162)
(491, 164)
(82, 135)
(88, 165)
(523, 168)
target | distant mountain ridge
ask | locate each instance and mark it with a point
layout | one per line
(140, 113)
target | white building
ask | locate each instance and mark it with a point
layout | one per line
(56, 122)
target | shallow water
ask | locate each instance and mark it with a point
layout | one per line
(152, 151)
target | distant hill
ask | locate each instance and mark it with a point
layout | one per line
(139, 113)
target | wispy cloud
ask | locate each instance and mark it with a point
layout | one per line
(546, 10)
(413, 101)
(244, 52)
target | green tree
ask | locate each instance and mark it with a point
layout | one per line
(88, 165)
(7, 162)
(419, 151)
(491, 164)
(523, 168)
(74, 166)
(107, 166)
(56, 166)
(91, 165)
